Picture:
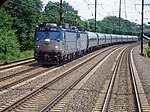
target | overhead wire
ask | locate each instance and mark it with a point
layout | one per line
(88, 6)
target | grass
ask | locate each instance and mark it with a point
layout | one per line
(18, 55)
(147, 51)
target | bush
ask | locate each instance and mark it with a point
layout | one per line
(26, 54)
(7, 57)
(147, 50)
(18, 55)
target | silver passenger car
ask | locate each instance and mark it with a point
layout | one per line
(82, 41)
(93, 39)
(101, 37)
(108, 38)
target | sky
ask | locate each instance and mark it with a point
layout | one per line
(130, 9)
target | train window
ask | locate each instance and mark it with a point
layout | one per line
(48, 29)
(42, 29)
(53, 29)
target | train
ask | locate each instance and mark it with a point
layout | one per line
(54, 43)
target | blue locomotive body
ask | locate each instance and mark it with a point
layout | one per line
(54, 44)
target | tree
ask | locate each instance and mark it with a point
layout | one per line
(53, 11)
(26, 15)
(8, 41)
(110, 24)
(92, 23)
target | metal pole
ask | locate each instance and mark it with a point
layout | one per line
(61, 13)
(142, 27)
(95, 13)
(119, 17)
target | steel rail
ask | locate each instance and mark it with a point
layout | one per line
(134, 84)
(18, 73)
(15, 61)
(112, 82)
(23, 79)
(7, 66)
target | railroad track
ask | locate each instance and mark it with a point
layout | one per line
(120, 94)
(17, 74)
(15, 79)
(41, 94)
(10, 65)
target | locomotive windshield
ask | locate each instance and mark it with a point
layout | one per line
(48, 27)
(47, 31)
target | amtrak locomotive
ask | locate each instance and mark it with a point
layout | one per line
(54, 43)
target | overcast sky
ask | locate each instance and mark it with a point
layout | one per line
(130, 9)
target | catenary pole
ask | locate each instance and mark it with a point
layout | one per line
(119, 17)
(95, 13)
(142, 27)
(61, 13)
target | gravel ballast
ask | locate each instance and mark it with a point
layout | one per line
(143, 67)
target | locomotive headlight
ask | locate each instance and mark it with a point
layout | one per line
(56, 47)
(47, 40)
(38, 46)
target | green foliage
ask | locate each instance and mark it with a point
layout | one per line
(18, 20)
(9, 46)
(147, 50)
(111, 25)
(51, 9)
(6, 20)
(91, 23)
(26, 15)
(8, 42)
(70, 14)
(18, 55)
(26, 54)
